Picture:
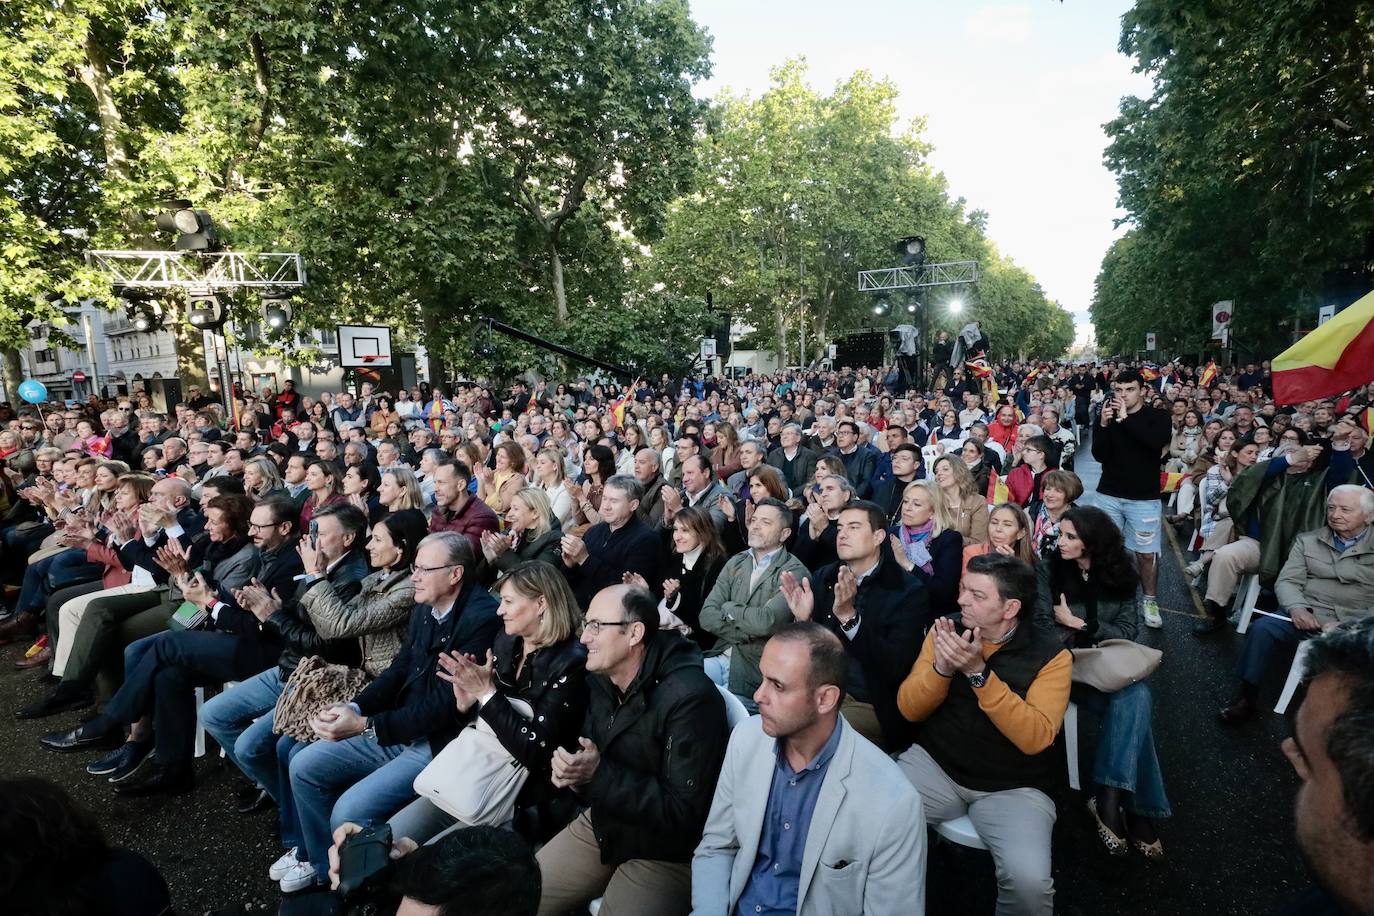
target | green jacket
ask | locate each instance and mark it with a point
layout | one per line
(745, 617)
(1285, 505)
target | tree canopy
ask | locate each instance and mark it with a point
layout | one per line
(1246, 175)
(796, 192)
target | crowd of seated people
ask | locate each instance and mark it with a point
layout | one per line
(691, 631)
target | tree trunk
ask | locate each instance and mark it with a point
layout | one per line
(782, 337)
(432, 320)
(190, 345)
(95, 76)
(11, 374)
(560, 294)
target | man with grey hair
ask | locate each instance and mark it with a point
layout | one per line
(619, 545)
(751, 454)
(648, 471)
(370, 750)
(1327, 580)
(820, 526)
(822, 438)
(794, 461)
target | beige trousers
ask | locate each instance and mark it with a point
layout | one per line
(70, 615)
(573, 876)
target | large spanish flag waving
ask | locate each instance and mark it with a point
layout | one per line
(1335, 357)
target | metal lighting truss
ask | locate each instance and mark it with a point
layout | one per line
(196, 271)
(948, 273)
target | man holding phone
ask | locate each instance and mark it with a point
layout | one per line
(1130, 442)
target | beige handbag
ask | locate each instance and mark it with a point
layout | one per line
(1114, 664)
(314, 685)
(474, 778)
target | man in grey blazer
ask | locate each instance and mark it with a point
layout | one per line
(808, 817)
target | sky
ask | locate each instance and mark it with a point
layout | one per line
(1014, 96)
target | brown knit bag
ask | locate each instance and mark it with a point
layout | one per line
(314, 685)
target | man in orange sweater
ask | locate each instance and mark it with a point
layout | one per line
(989, 694)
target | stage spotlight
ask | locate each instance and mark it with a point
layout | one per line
(912, 249)
(956, 306)
(142, 309)
(195, 228)
(205, 312)
(276, 319)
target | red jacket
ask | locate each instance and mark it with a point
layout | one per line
(115, 574)
(1022, 487)
(470, 521)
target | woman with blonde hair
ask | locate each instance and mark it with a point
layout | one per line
(532, 533)
(1009, 533)
(548, 478)
(968, 506)
(400, 490)
(926, 543)
(538, 662)
(261, 477)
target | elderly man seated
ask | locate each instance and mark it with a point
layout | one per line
(1328, 579)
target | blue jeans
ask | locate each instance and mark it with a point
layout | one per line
(240, 720)
(51, 573)
(1138, 520)
(1126, 756)
(354, 780)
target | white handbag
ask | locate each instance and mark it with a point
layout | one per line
(474, 778)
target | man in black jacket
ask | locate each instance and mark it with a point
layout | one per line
(372, 749)
(878, 610)
(236, 718)
(860, 459)
(651, 750)
(620, 543)
(906, 469)
(1130, 442)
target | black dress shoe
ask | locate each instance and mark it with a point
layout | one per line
(122, 761)
(66, 695)
(1208, 625)
(84, 738)
(1242, 709)
(154, 778)
(259, 802)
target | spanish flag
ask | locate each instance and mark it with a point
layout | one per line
(1334, 358)
(1209, 374)
(981, 369)
(1030, 376)
(997, 490)
(1170, 482)
(618, 410)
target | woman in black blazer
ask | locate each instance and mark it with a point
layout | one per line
(695, 559)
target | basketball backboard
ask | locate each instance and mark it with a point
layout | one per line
(362, 346)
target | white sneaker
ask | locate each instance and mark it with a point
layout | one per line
(283, 865)
(1194, 569)
(1150, 608)
(298, 877)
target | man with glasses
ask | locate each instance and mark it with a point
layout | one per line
(67, 436)
(370, 751)
(336, 560)
(651, 748)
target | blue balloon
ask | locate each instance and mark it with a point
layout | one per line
(33, 392)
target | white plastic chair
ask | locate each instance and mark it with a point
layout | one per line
(735, 710)
(200, 728)
(1295, 672)
(960, 830)
(1247, 594)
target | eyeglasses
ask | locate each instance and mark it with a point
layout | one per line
(416, 570)
(595, 627)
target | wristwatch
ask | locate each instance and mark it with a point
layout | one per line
(848, 625)
(370, 729)
(977, 680)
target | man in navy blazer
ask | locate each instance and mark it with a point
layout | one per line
(372, 749)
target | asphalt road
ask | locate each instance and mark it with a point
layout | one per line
(1228, 848)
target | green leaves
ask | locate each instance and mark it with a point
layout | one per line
(1247, 175)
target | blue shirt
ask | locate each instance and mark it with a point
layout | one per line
(776, 876)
